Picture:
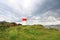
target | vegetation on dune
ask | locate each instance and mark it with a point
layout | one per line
(27, 32)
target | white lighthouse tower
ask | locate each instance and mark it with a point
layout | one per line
(24, 21)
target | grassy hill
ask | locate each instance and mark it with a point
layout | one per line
(29, 32)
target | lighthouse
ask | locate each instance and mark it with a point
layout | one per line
(24, 21)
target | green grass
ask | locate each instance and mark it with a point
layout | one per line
(34, 32)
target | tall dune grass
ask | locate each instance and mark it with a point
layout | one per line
(29, 32)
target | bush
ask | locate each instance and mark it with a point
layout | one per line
(7, 24)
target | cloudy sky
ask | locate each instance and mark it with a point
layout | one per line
(36, 11)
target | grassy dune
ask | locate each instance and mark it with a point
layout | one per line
(34, 32)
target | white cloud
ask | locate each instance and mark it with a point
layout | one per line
(36, 17)
(51, 20)
(3, 18)
(26, 8)
(23, 6)
(8, 18)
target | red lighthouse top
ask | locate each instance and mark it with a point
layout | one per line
(24, 19)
